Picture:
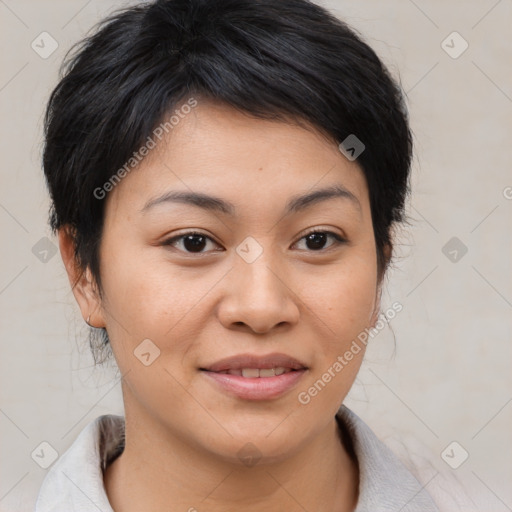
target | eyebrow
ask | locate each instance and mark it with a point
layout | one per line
(216, 204)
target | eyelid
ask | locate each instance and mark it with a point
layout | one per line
(321, 229)
(176, 237)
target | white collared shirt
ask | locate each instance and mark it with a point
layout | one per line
(75, 482)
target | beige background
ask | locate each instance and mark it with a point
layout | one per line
(450, 377)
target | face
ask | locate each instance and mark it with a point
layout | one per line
(255, 279)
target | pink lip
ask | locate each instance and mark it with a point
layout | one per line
(257, 388)
(240, 361)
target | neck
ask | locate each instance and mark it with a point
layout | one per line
(159, 472)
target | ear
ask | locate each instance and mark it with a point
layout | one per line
(387, 250)
(376, 310)
(82, 283)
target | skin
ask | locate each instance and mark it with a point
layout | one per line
(183, 433)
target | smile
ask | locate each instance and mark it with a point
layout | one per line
(257, 372)
(254, 383)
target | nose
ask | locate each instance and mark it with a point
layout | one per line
(258, 297)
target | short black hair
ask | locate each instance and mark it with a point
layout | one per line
(272, 59)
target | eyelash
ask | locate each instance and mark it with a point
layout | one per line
(338, 239)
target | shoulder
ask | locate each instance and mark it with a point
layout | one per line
(385, 483)
(75, 481)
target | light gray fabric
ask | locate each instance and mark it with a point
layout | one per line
(385, 484)
(75, 482)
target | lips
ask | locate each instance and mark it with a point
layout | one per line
(243, 362)
(251, 377)
(258, 372)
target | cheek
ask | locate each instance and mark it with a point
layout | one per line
(343, 302)
(344, 299)
(148, 297)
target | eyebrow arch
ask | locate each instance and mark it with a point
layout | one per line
(212, 203)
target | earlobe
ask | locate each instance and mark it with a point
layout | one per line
(82, 282)
(387, 252)
(376, 310)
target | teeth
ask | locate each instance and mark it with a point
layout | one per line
(256, 372)
(250, 372)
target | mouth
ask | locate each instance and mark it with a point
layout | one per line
(252, 362)
(251, 377)
(251, 373)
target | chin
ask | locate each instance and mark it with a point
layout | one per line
(252, 451)
(270, 439)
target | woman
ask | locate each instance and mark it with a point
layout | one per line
(225, 176)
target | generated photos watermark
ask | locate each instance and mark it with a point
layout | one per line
(305, 397)
(145, 149)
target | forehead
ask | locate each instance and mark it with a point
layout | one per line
(217, 150)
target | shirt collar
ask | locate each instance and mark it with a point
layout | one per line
(75, 481)
(385, 484)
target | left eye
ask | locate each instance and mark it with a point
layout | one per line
(315, 240)
(192, 242)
